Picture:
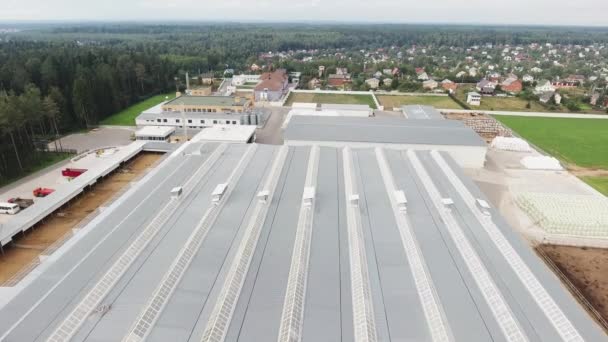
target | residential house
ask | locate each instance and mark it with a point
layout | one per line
(528, 78)
(314, 83)
(494, 77)
(594, 98)
(423, 77)
(544, 86)
(342, 71)
(486, 86)
(430, 84)
(388, 72)
(474, 99)
(473, 72)
(273, 86)
(460, 74)
(512, 85)
(546, 96)
(338, 80)
(207, 78)
(536, 70)
(255, 67)
(448, 85)
(373, 83)
(387, 82)
(378, 74)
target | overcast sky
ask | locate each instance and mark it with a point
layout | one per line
(536, 12)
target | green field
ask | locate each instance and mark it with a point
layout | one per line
(599, 183)
(583, 142)
(331, 98)
(127, 116)
(396, 101)
(514, 104)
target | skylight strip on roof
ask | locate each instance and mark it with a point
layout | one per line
(562, 324)
(497, 304)
(435, 317)
(363, 312)
(220, 318)
(293, 308)
(73, 321)
(151, 312)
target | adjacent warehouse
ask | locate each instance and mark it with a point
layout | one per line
(198, 112)
(463, 144)
(296, 243)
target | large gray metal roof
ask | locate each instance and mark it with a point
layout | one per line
(306, 243)
(381, 130)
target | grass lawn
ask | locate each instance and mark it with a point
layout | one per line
(396, 101)
(46, 160)
(599, 183)
(514, 104)
(127, 116)
(583, 142)
(331, 98)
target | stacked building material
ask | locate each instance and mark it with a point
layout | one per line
(510, 144)
(574, 215)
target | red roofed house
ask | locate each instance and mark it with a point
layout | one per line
(448, 85)
(338, 80)
(273, 86)
(512, 85)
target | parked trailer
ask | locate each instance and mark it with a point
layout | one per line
(72, 173)
(22, 202)
(9, 208)
(42, 192)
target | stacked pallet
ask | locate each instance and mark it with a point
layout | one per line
(574, 215)
(485, 125)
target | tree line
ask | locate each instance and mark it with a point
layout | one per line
(52, 88)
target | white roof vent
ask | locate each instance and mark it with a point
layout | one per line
(218, 192)
(401, 200)
(353, 199)
(176, 192)
(309, 195)
(263, 196)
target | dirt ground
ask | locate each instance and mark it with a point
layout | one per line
(586, 269)
(27, 247)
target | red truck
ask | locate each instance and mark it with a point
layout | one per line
(72, 173)
(42, 192)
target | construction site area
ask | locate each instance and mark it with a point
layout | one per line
(26, 249)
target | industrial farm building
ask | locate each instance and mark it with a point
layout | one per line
(198, 112)
(465, 146)
(248, 242)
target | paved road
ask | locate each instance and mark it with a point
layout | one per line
(271, 133)
(537, 114)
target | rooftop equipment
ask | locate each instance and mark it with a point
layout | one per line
(401, 200)
(309, 195)
(176, 192)
(219, 191)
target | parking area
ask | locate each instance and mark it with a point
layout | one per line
(96, 138)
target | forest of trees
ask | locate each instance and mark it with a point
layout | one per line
(56, 78)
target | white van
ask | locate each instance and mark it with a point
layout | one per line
(9, 208)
